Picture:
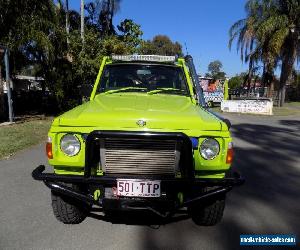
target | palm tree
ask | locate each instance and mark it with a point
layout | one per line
(276, 32)
(101, 13)
(279, 27)
(108, 10)
(286, 37)
(247, 45)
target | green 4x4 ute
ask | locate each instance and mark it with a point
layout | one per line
(144, 140)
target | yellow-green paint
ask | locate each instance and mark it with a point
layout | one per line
(211, 176)
(180, 198)
(60, 159)
(225, 89)
(120, 112)
(97, 194)
(188, 78)
(105, 61)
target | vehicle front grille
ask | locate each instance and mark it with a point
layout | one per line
(139, 156)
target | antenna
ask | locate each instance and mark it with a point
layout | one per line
(186, 48)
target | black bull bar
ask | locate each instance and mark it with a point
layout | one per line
(55, 183)
(187, 183)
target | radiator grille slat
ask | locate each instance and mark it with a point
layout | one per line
(139, 156)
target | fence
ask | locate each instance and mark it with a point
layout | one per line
(28, 103)
(292, 94)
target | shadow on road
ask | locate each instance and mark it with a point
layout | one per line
(268, 157)
(142, 218)
(292, 123)
(268, 203)
(269, 164)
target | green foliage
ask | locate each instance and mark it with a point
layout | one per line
(214, 70)
(35, 32)
(130, 33)
(215, 67)
(296, 78)
(161, 45)
(235, 82)
(27, 35)
(270, 33)
(86, 61)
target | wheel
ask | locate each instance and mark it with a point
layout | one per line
(68, 210)
(208, 213)
(210, 104)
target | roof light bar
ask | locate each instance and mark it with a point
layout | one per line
(149, 58)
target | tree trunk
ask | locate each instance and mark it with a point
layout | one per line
(249, 77)
(268, 79)
(288, 61)
(264, 77)
(271, 90)
(111, 27)
(67, 21)
(82, 20)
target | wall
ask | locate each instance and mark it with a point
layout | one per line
(249, 106)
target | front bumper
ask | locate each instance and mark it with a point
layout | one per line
(187, 185)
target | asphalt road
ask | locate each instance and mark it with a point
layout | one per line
(267, 153)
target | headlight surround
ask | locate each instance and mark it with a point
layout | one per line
(209, 148)
(70, 145)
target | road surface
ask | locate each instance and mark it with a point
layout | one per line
(267, 154)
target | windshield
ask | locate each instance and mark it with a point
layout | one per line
(152, 79)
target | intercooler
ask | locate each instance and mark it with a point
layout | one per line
(139, 156)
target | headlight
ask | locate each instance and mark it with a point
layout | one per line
(209, 148)
(70, 145)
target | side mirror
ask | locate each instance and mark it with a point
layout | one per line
(86, 90)
(201, 101)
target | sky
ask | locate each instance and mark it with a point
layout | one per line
(202, 25)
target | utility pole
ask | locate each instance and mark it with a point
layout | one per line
(9, 100)
(82, 20)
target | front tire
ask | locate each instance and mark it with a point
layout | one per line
(209, 213)
(210, 104)
(68, 210)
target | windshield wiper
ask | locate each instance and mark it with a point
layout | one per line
(124, 89)
(159, 90)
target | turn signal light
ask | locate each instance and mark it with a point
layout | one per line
(49, 148)
(229, 157)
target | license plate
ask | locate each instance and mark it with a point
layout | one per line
(138, 188)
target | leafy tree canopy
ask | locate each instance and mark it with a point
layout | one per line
(237, 81)
(35, 32)
(130, 33)
(215, 70)
(161, 45)
(269, 34)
